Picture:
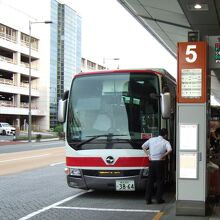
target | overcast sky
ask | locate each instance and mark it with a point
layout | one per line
(109, 31)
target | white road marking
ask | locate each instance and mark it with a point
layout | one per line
(54, 164)
(25, 158)
(107, 210)
(52, 206)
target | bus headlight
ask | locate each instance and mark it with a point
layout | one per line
(75, 172)
(67, 170)
(145, 172)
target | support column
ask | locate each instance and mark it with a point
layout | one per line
(17, 79)
(17, 100)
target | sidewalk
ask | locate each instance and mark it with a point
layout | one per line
(14, 142)
(22, 136)
(168, 209)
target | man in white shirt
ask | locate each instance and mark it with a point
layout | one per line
(159, 148)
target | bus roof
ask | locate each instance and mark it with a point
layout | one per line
(162, 72)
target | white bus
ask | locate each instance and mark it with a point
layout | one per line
(108, 115)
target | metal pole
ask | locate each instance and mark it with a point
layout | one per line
(29, 80)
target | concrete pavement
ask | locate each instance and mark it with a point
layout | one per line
(167, 210)
(28, 160)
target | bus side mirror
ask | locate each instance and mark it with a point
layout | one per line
(62, 107)
(165, 105)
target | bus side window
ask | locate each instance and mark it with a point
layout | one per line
(165, 87)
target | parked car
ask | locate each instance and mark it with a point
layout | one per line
(6, 129)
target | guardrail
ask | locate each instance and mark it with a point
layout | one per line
(26, 85)
(7, 103)
(33, 66)
(8, 37)
(7, 59)
(7, 81)
(26, 44)
(26, 105)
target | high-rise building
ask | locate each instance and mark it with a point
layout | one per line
(55, 57)
(66, 62)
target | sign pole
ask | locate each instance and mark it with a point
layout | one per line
(191, 129)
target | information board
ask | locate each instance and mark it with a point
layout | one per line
(191, 83)
(188, 136)
(188, 165)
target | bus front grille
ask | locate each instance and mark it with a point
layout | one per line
(111, 173)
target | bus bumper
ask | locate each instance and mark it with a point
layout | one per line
(100, 183)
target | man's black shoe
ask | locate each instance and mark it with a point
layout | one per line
(148, 202)
(161, 201)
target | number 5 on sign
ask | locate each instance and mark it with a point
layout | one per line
(191, 53)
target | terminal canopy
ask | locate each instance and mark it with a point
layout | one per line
(171, 21)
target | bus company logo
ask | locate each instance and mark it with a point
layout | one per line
(110, 160)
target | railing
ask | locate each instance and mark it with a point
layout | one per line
(10, 60)
(14, 40)
(7, 81)
(7, 103)
(12, 83)
(8, 37)
(26, 105)
(26, 85)
(33, 66)
(7, 59)
(26, 44)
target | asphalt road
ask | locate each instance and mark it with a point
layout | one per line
(37, 189)
(6, 137)
(28, 160)
(43, 194)
(25, 146)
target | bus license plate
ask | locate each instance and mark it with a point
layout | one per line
(125, 185)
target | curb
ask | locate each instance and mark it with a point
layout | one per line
(11, 142)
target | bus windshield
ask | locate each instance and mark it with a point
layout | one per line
(114, 108)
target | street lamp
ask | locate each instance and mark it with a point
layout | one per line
(29, 80)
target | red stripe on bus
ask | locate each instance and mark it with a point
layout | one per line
(150, 71)
(98, 162)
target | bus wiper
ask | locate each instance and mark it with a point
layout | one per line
(109, 137)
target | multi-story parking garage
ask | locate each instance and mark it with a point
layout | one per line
(43, 65)
(14, 77)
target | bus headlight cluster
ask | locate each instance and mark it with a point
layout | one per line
(75, 172)
(145, 171)
(72, 172)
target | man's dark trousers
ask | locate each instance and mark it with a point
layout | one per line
(156, 173)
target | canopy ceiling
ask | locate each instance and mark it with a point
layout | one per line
(169, 21)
